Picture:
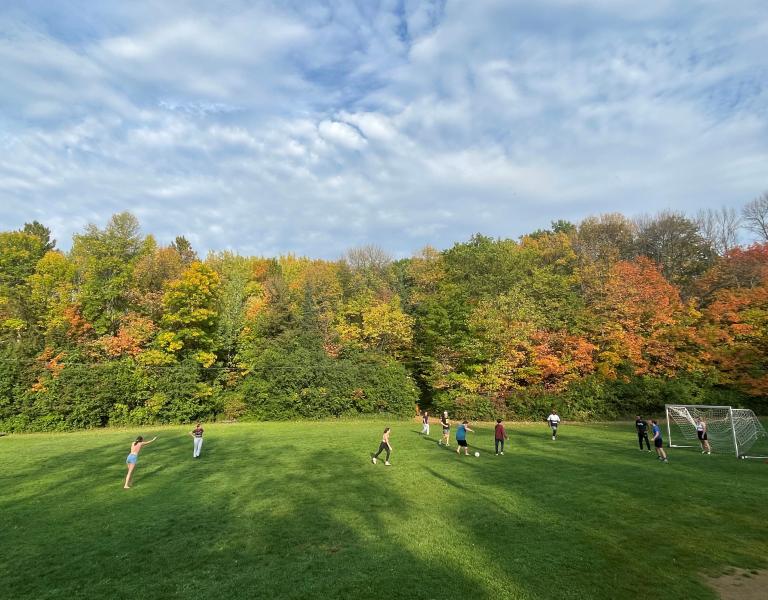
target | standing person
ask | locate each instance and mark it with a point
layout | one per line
(384, 446)
(425, 423)
(554, 421)
(197, 436)
(701, 432)
(642, 432)
(461, 438)
(133, 458)
(446, 424)
(658, 441)
(499, 436)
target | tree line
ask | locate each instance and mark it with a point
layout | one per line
(602, 318)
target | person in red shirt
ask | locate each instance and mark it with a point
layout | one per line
(500, 435)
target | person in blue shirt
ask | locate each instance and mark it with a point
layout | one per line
(461, 438)
(658, 441)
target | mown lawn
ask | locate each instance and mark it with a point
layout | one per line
(297, 510)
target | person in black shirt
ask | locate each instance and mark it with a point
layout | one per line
(642, 432)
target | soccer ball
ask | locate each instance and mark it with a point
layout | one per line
(477, 454)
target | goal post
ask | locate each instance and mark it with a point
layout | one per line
(729, 429)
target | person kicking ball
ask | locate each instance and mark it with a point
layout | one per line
(461, 438)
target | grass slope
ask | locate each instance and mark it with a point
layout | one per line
(298, 511)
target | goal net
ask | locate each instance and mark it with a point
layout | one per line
(729, 430)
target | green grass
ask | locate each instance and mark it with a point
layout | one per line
(297, 510)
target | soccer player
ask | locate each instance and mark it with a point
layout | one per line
(701, 432)
(197, 444)
(384, 446)
(642, 432)
(446, 430)
(554, 421)
(461, 438)
(133, 458)
(499, 436)
(658, 441)
(425, 423)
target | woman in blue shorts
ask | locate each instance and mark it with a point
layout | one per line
(133, 458)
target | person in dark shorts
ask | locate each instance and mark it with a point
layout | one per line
(642, 432)
(658, 442)
(701, 432)
(384, 446)
(499, 436)
(446, 425)
(461, 438)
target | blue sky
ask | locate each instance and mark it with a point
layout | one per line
(312, 127)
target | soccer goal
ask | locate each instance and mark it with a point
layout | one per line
(728, 429)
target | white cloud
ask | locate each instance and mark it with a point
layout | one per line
(310, 129)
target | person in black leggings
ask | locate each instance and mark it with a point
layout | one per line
(384, 446)
(642, 432)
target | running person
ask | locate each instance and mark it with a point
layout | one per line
(461, 438)
(658, 441)
(642, 432)
(384, 446)
(446, 424)
(425, 423)
(133, 458)
(554, 421)
(701, 432)
(499, 436)
(197, 436)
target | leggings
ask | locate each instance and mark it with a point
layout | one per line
(643, 435)
(499, 443)
(384, 447)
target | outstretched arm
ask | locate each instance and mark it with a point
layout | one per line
(149, 442)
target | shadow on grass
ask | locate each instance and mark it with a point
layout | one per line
(259, 517)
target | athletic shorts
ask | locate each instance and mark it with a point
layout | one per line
(658, 442)
(131, 460)
(462, 443)
(446, 429)
(702, 435)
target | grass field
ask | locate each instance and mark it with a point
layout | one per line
(297, 510)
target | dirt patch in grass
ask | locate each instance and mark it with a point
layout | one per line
(740, 584)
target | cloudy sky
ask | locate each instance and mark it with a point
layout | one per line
(314, 126)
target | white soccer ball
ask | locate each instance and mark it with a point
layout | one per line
(477, 454)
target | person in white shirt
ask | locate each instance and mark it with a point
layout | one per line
(425, 423)
(701, 432)
(554, 421)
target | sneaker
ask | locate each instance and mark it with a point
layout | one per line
(502, 454)
(373, 459)
(666, 460)
(650, 450)
(553, 438)
(497, 454)
(386, 463)
(709, 453)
